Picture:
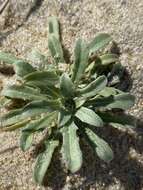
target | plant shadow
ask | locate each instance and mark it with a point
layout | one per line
(55, 176)
(126, 81)
(126, 169)
(6, 70)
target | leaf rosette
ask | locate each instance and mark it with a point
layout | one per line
(66, 103)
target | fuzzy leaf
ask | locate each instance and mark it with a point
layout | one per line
(30, 110)
(38, 125)
(23, 68)
(122, 101)
(71, 152)
(13, 127)
(56, 49)
(81, 60)
(118, 121)
(43, 161)
(38, 77)
(99, 42)
(108, 91)
(109, 58)
(26, 140)
(50, 90)
(66, 86)
(23, 92)
(94, 87)
(89, 116)
(79, 102)
(41, 123)
(8, 58)
(102, 149)
(54, 27)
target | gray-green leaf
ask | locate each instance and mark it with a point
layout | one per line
(41, 123)
(94, 87)
(108, 58)
(102, 149)
(30, 110)
(23, 68)
(8, 58)
(56, 49)
(71, 152)
(26, 140)
(39, 59)
(66, 86)
(99, 42)
(118, 121)
(13, 127)
(63, 117)
(43, 161)
(54, 27)
(79, 102)
(50, 90)
(81, 60)
(39, 77)
(89, 116)
(122, 101)
(108, 91)
(23, 92)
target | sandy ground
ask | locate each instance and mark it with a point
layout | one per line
(23, 27)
